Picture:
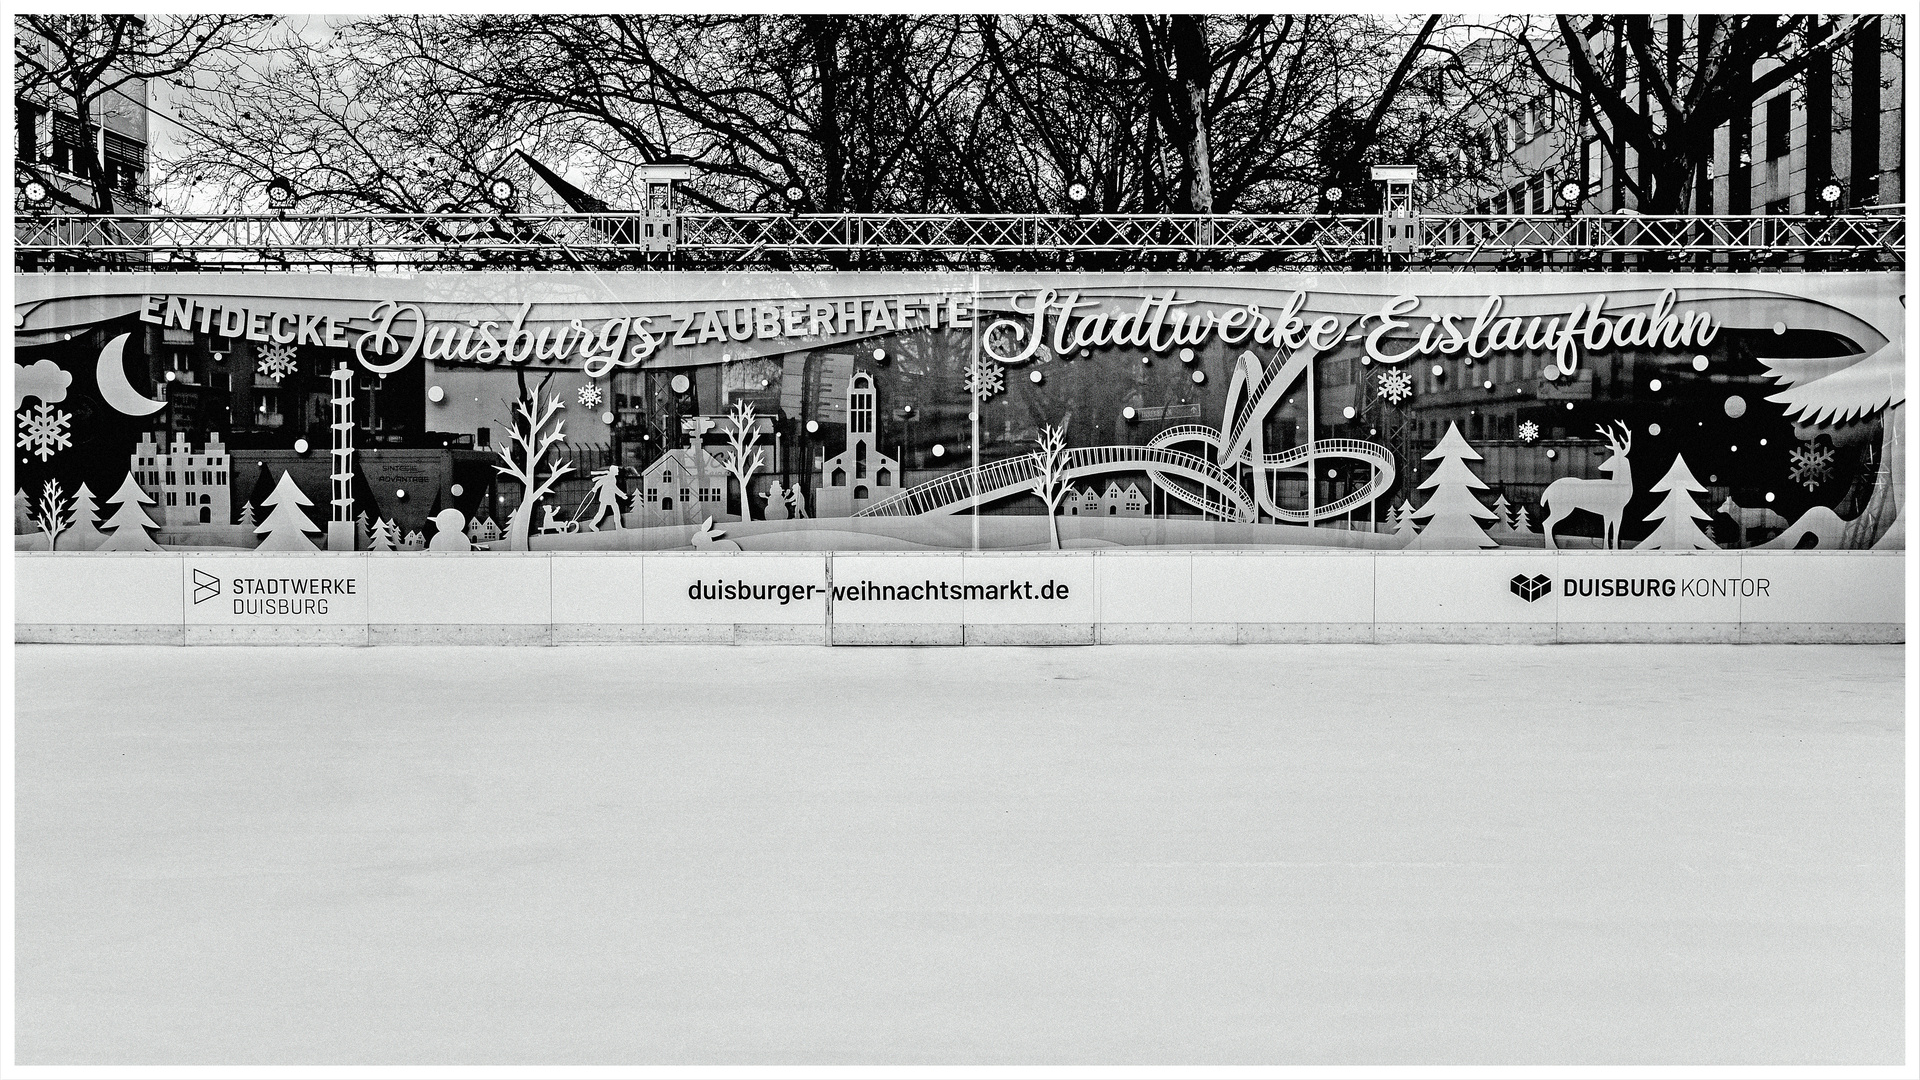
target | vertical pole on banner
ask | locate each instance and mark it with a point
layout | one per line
(973, 414)
(1313, 437)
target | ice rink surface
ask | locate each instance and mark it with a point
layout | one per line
(1121, 855)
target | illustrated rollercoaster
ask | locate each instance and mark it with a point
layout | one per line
(1208, 482)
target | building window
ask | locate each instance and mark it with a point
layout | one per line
(1780, 207)
(26, 132)
(126, 163)
(1779, 125)
(69, 146)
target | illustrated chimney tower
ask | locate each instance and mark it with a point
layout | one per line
(340, 520)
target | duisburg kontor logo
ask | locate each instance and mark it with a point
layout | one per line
(1530, 588)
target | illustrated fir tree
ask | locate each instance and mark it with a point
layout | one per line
(1677, 512)
(22, 512)
(1403, 522)
(81, 534)
(363, 498)
(246, 515)
(362, 532)
(1453, 515)
(132, 529)
(1502, 515)
(287, 526)
(381, 536)
(1520, 522)
(262, 486)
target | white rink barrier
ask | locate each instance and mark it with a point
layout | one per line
(956, 598)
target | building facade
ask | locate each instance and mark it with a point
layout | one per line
(51, 144)
(1841, 121)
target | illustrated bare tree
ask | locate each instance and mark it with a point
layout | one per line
(1050, 481)
(523, 458)
(82, 66)
(741, 459)
(1658, 87)
(50, 512)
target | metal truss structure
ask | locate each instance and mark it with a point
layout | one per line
(57, 242)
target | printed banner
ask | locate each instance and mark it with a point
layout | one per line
(905, 411)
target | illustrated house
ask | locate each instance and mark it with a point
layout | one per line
(190, 487)
(1082, 501)
(482, 531)
(1117, 501)
(860, 474)
(683, 487)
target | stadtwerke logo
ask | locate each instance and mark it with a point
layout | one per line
(205, 586)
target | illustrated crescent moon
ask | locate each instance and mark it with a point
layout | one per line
(111, 374)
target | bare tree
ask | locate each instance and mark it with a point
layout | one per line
(532, 440)
(87, 64)
(832, 107)
(1050, 483)
(924, 112)
(1665, 86)
(742, 460)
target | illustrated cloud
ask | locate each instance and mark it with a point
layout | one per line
(44, 380)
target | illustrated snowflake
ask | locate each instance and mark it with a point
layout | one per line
(43, 430)
(277, 361)
(1529, 431)
(986, 379)
(590, 396)
(1812, 465)
(1396, 385)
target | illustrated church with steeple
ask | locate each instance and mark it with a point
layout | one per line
(860, 475)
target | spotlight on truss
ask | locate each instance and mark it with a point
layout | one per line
(280, 194)
(35, 193)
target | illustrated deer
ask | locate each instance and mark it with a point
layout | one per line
(1605, 498)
